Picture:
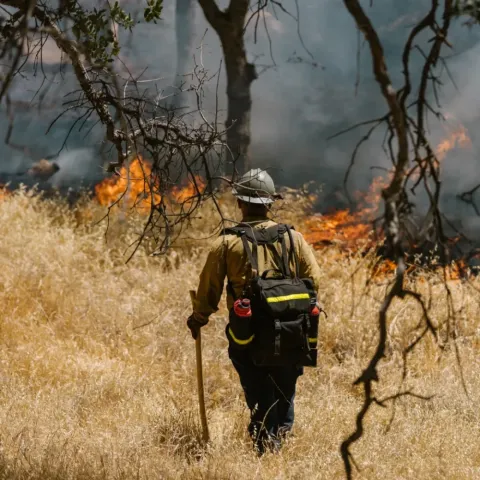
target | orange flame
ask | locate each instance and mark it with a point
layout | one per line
(385, 267)
(349, 227)
(187, 192)
(135, 188)
(346, 226)
(353, 229)
(458, 136)
(457, 270)
(130, 187)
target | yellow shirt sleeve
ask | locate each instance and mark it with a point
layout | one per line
(212, 280)
(308, 263)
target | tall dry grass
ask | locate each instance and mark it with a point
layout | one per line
(97, 367)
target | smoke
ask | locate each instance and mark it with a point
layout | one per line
(315, 80)
(301, 100)
(79, 167)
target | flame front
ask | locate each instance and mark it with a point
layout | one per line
(458, 136)
(136, 188)
(353, 229)
(346, 226)
(132, 187)
(186, 193)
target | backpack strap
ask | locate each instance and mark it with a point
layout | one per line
(284, 259)
(293, 254)
(251, 253)
(268, 236)
(279, 260)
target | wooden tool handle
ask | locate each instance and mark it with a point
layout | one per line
(201, 391)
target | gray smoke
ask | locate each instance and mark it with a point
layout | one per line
(298, 101)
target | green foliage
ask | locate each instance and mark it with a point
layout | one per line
(153, 11)
(94, 29)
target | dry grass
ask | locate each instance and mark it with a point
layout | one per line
(98, 370)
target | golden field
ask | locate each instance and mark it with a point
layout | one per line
(97, 367)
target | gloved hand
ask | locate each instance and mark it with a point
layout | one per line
(195, 323)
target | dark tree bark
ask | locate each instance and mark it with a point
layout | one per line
(229, 25)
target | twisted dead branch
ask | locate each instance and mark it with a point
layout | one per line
(405, 132)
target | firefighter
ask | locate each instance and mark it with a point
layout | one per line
(269, 390)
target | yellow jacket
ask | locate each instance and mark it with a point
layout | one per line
(227, 258)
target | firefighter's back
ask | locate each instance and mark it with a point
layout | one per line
(239, 269)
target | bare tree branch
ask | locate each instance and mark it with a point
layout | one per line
(395, 197)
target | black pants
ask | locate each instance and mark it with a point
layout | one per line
(270, 395)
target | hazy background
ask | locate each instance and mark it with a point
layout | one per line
(297, 103)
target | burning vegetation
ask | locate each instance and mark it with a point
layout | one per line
(132, 186)
(354, 230)
(136, 187)
(350, 230)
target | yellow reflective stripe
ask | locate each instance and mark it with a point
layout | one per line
(237, 340)
(312, 340)
(285, 298)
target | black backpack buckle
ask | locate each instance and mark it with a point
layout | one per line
(278, 330)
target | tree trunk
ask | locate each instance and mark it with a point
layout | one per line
(229, 25)
(240, 75)
(185, 34)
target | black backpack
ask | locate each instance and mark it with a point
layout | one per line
(282, 330)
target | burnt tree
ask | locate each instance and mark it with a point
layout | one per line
(229, 25)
